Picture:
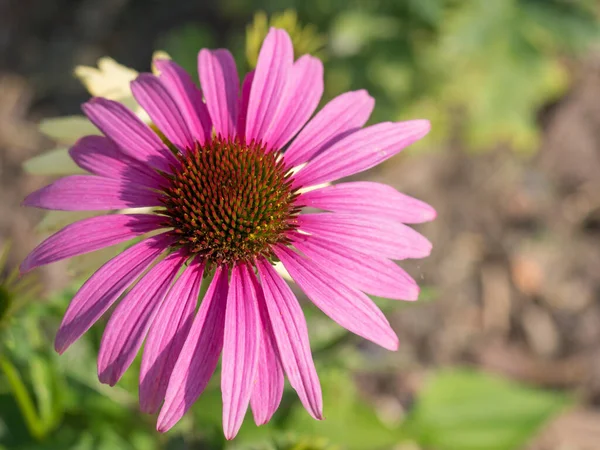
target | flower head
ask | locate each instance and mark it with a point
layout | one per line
(229, 180)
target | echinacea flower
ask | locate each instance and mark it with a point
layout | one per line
(229, 184)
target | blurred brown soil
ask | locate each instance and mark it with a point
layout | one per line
(516, 262)
(515, 269)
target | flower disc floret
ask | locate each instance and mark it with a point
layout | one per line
(229, 201)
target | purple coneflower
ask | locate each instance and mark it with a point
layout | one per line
(228, 198)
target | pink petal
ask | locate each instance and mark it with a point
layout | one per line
(100, 156)
(129, 323)
(372, 199)
(88, 235)
(268, 387)
(240, 349)
(167, 336)
(360, 151)
(348, 307)
(343, 115)
(243, 105)
(199, 355)
(91, 193)
(152, 95)
(104, 287)
(188, 98)
(371, 274)
(272, 70)
(291, 335)
(301, 97)
(373, 236)
(133, 136)
(220, 83)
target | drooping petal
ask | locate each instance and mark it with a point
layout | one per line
(268, 387)
(300, 99)
(152, 95)
(368, 198)
(291, 335)
(100, 156)
(129, 323)
(373, 236)
(371, 274)
(342, 116)
(220, 84)
(133, 137)
(104, 287)
(348, 307)
(272, 70)
(91, 193)
(188, 98)
(241, 347)
(88, 235)
(167, 335)
(243, 105)
(199, 356)
(360, 151)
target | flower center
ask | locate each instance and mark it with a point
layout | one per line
(230, 201)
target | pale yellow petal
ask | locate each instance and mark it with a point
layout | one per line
(110, 80)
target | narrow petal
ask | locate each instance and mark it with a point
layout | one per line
(291, 335)
(91, 193)
(100, 156)
(167, 336)
(272, 70)
(130, 321)
(104, 287)
(88, 235)
(240, 349)
(133, 137)
(360, 151)
(373, 236)
(301, 97)
(368, 198)
(152, 95)
(188, 98)
(220, 84)
(243, 105)
(199, 355)
(371, 274)
(268, 387)
(340, 117)
(348, 307)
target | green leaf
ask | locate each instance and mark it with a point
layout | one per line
(349, 421)
(183, 43)
(468, 410)
(53, 162)
(66, 130)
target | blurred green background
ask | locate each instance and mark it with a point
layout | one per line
(501, 352)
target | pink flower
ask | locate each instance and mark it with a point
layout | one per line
(228, 204)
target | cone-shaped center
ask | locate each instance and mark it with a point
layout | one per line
(230, 201)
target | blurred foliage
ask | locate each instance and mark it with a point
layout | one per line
(467, 410)
(50, 402)
(306, 39)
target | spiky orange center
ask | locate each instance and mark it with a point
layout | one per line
(229, 201)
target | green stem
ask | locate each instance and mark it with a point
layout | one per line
(23, 399)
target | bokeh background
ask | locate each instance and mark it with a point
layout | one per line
(501, 352)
